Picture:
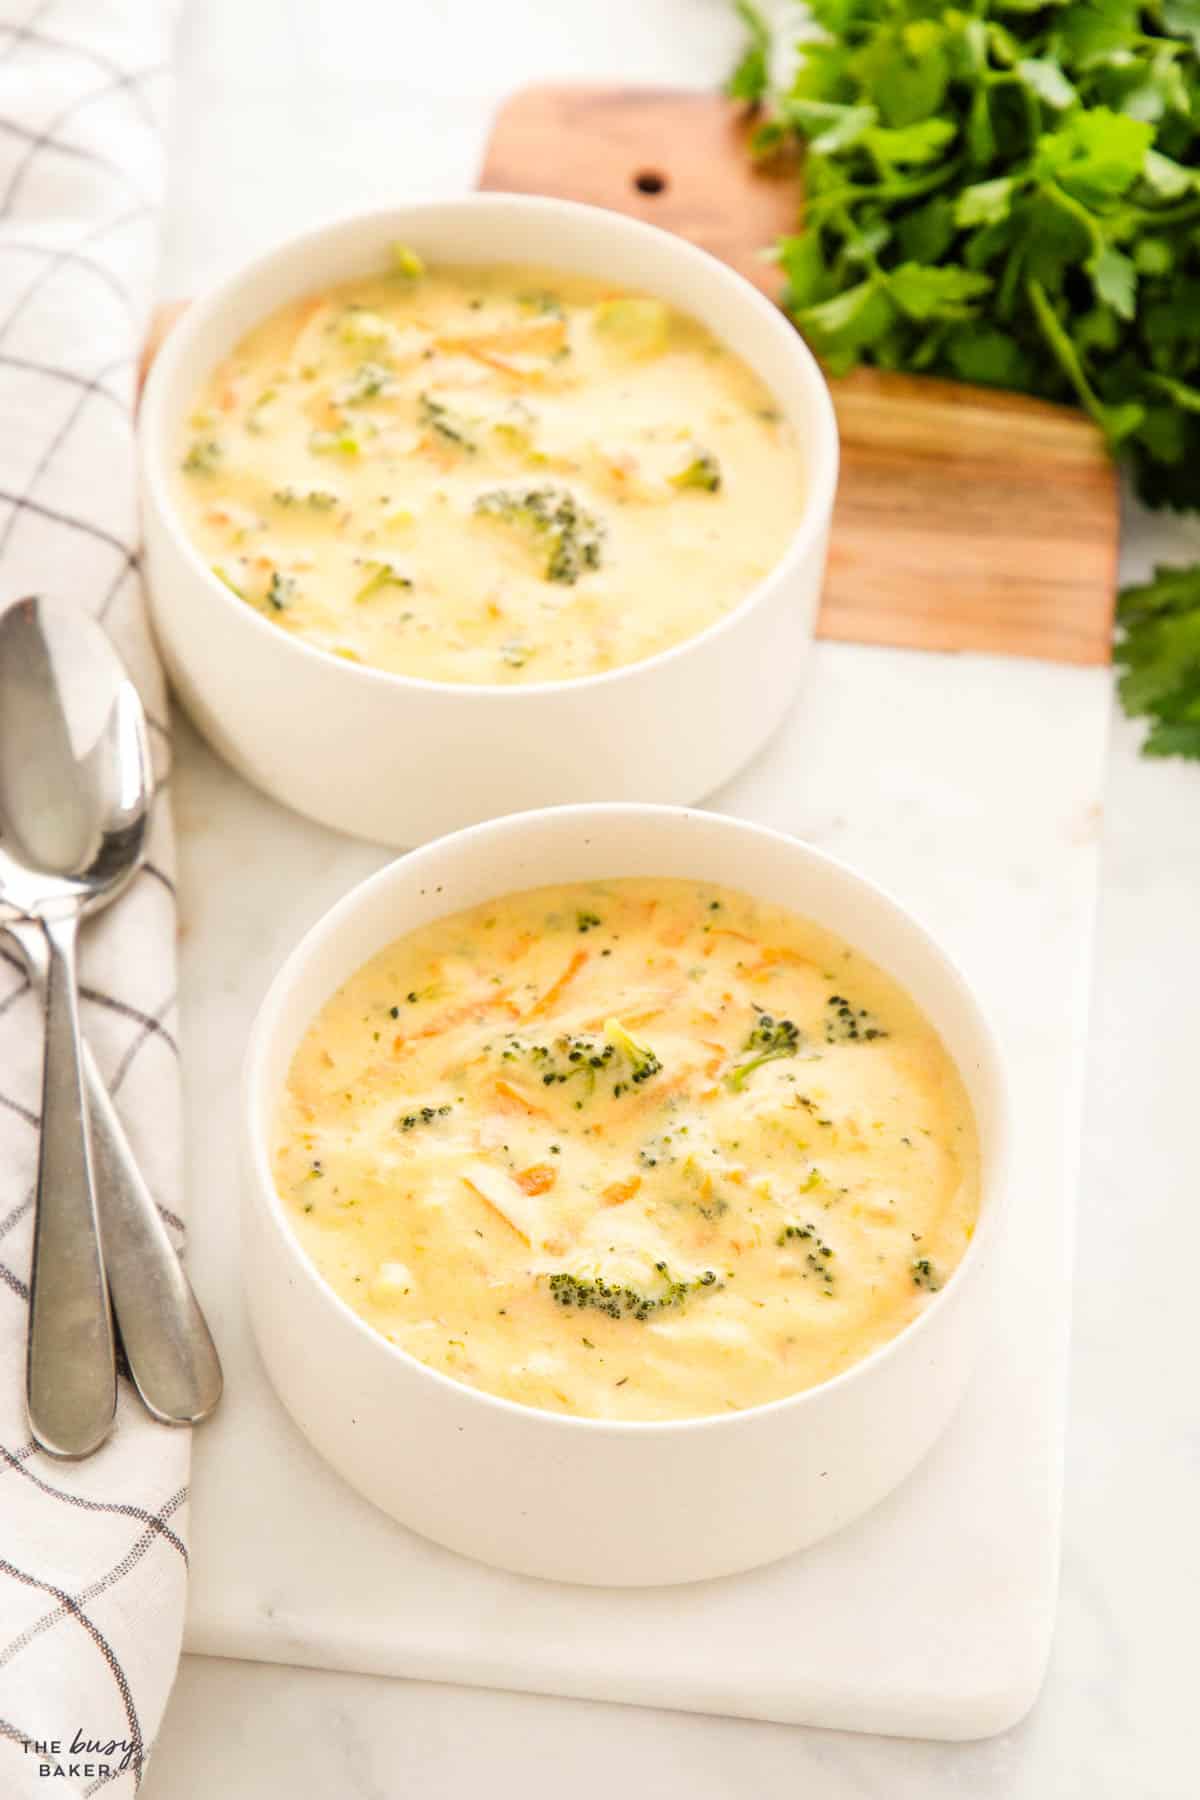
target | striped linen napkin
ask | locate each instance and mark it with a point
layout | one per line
(93, 1555)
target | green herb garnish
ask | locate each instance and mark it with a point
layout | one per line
(1158, 653)
(1008, 193)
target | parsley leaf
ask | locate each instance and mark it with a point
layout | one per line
(1158, 652)
(749, 79)
(1008, 193)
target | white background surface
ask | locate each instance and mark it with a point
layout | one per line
(289, 109)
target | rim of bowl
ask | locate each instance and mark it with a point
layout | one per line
(995, 1192)
(818, 496)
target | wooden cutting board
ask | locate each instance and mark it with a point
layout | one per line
(967, 519)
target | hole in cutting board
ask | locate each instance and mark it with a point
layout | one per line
(650, 181)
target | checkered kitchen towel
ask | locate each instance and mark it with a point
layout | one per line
(93, 1556)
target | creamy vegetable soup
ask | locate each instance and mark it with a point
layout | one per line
(632, 1149)
(487, 475)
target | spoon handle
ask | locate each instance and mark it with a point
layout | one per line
(71, 1373)
(172, 1358)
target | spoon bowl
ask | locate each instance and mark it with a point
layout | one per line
(75, 794)
(75, 781)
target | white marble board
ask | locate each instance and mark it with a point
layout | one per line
(969, 786)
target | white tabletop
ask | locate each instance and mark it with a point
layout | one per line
(292, 109)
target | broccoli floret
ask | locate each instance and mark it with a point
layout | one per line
(924, 1274)
(368, 381)
(618, 1300)
(363, 329)
(570, 1057)
(543, 301)
(317, 499)
(334, 443)
(254, 417)
(202, 457)
(770, 1038)
(582, 1057)
(424, 1115)
(846, 1025)
(549, 514)
(704, 472)
(383, 575)
(819, 1257)
(280, 591)
(407, 263)
(450, 426)
(640, 1058)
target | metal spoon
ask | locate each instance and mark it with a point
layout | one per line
(74, 800)
(172, 1359)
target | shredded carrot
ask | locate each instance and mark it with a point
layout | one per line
(304, 318)
(557, 988)
(438, 451)
(481, 1004)
(319, 408)
(508, 1092)
(654, 1092)
(536, 337)
(538, 1178)
(717, 1058)
(619, 1191)
(637, 1015)
(724, 931)
(469, 1009)
(644, 1014)
(504, 365)
(758, 971)
(770, 959)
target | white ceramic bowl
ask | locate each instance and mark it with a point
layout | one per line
(399, 759)
(589, 1500)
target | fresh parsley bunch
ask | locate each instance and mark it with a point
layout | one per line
(1007, 192)
(1159, 657)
